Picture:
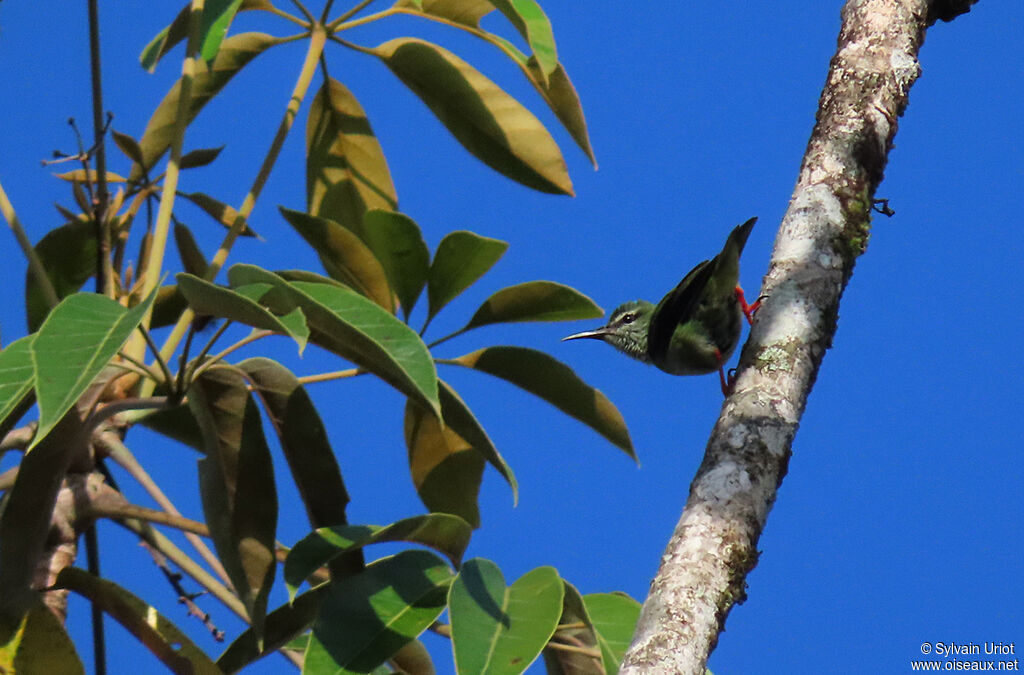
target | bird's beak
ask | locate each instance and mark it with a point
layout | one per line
(597, 334)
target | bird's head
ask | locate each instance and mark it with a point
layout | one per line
(626, 329)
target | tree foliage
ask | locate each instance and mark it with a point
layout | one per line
(94, 367)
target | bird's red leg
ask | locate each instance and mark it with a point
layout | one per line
(748, 310)
(726, 382)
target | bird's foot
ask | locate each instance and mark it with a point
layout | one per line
(727, 381)
(749, 310)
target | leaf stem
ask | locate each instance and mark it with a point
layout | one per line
(34, 264)
(327, 377)
(316, 45)
(155, 260)
(217, 358)
(332, 26)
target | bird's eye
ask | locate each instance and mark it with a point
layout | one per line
(628, 318)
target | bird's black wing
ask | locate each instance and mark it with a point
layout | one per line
(677, 308)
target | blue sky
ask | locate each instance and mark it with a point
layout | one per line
(900, 519)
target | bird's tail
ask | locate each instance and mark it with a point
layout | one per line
(727, 264)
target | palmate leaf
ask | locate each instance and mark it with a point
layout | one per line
(177, 31)
(446, 470)
(68, 254)
(534, 301)
(346, 172)
(397, 242)
(236, 483)
(218, 210)
(40, 644)
(443, 532)
(235, 53)
(579, 631)
(344, 255)
(199, 157)
(355, 328)
(489, 123)
(303, 440)
(242, 304)
(550, 379)
(613, 616)
(16, 382)
(77, 340)
(531, 22)
(305, 445)
(192, 258)
(365, 619)
(461, 258)
(499, 630)
(541, 69)
(153, 630)
(282, 626)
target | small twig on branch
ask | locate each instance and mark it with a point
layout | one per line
(187, 599)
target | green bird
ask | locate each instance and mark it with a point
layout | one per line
(695, 328)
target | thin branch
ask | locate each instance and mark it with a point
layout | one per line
(217, 358)
(157, 540)
(34, 264)
(111, 443)
(104, 271)
(187, 599)
(99, 640)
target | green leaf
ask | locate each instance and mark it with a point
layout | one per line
(344, 255)
(77, 340)
(534, 301)
(128, 145)
(243, 305)
(498, 630)
(366, 618)
(613, 616)
(40, 644)
(560, 95)
(153, 630)
(306, 447)
(461, 258)
(550, 379)
(90, 176)
(489, 123)
(170, 36)
(397, 242)
(199, 157)
(235, 52)
(355, 328)
(68, 254)
(531, 22)
(283, 625)
(446, 470)
(460, 419)
(443, 532)
(192, 258)
(465, 12)
(581, 634)
(217, 16)
(219, 211)
(16, 382)
(346, 172)
(236, 482)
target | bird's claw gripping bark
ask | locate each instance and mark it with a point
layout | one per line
(749, 310)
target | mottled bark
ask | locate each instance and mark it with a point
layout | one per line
(826, 227)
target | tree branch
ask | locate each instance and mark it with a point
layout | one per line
(826, 227)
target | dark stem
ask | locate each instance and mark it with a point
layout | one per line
(99, 130)
(99, 640)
